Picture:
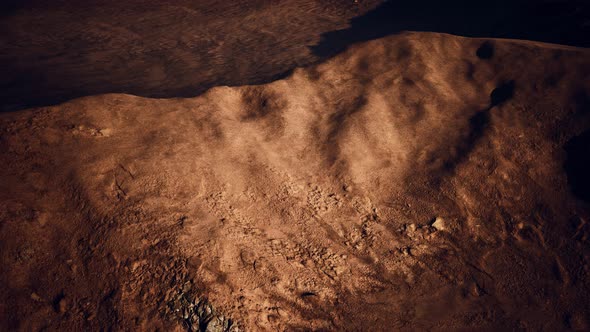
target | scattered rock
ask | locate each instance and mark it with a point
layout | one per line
(62, 305)
(196, 313)
(338, 270)
(248, 257)
(36, 297)
(43, 218)
(135, 265)
(439, 224)
(106, 132)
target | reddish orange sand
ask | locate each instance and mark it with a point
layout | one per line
(404, 184)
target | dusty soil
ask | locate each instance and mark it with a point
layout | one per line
(54, 51)
(420, 181)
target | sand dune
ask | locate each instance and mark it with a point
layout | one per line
(412, 182)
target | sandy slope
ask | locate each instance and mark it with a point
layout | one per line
(408, 183)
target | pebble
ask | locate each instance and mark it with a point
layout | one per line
(134, 265)
(439, 224)
(338, 270)
(35, 297)
(62, 305)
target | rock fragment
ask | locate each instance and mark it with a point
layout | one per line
(439, 224)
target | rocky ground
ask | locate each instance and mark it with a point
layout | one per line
(419, 181)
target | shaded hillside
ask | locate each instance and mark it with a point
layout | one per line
(421, 181)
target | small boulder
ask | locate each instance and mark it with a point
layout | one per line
(439, 224)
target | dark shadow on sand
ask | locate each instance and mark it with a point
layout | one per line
(9, 7)
(577, 165)
(553, 21)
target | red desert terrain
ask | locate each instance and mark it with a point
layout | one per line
(420, 181)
